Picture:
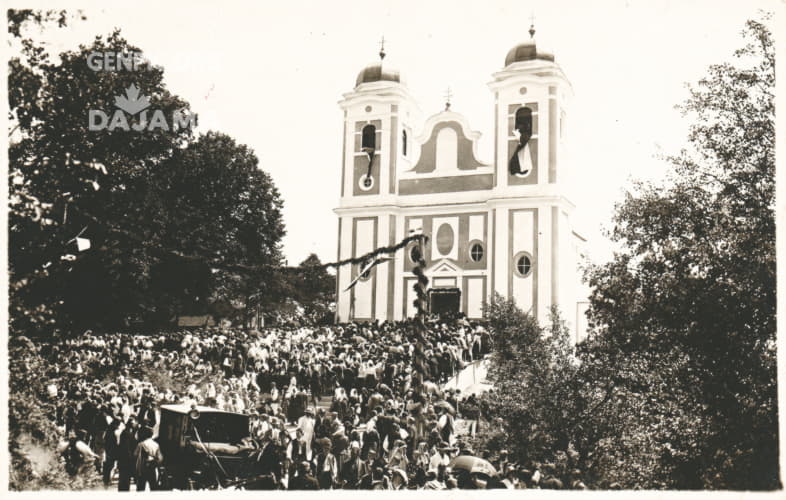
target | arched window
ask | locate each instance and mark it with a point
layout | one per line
(404, 142)
(524, 122)
(447, 150)
(369, 137)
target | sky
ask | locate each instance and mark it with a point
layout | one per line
(271, 74)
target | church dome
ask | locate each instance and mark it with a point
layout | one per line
(527, 51)
(378, 72)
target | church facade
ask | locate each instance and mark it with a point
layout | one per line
(503, 226)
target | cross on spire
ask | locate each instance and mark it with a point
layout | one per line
(448, 96)
(532, 25)
(382, 47)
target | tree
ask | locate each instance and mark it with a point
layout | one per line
(317, 290)
(531, 367)
(19, 19)
(684, 315)
(165, 214)
(65, 177)
(221, 207)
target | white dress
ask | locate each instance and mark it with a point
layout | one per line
(306, 424)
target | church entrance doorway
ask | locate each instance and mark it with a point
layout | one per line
(444, 301)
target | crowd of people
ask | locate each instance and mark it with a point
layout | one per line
(329, 407)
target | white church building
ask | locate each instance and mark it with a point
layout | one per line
(491, 227)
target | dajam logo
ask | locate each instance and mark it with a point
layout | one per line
(118, 61)
(132, 104)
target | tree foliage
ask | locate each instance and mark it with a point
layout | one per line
(220, 208)
(531, 367)
(157, 205)
(684, 315)
(315, 290)
(20, 19)
(676, 386)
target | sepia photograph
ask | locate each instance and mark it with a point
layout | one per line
(390, 245)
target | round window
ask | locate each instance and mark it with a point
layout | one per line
(476, 251)
(414, 254)
(365, 182)
(522, 264)
(365, 276)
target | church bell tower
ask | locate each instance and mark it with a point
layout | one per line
(377, 144)
(536, 247)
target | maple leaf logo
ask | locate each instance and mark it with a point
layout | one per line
(132, 103)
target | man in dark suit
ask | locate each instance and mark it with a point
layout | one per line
(126, 460)
(270, 460)
(111, 449)
(147, 414)
(353, 470)
(298, 448)
(304, 480)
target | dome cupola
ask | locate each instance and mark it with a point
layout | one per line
(527, 51)
(379, 71)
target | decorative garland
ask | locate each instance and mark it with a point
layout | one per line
(422, 283)
(419, 355)
(379, 251)
(420, 288)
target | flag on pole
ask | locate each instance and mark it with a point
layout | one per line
(366, 269)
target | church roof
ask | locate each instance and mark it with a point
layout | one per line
(527, 51)
(378, 72)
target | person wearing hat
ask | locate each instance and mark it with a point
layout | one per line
(340, 441)
(148, 458)
(432, 483)
(398, 479)
(327, 465)
(297, 448)
(511, 480)
(375, 480)
(398, 455)
(306, 425)
(111, 449)
(354, 468)
(147, 414)
(126, 464)
(440, 456)
(303, 480)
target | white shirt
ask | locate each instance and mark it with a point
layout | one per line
(436, 460)
(306, 424)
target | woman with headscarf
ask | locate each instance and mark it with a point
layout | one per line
(397, 458)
